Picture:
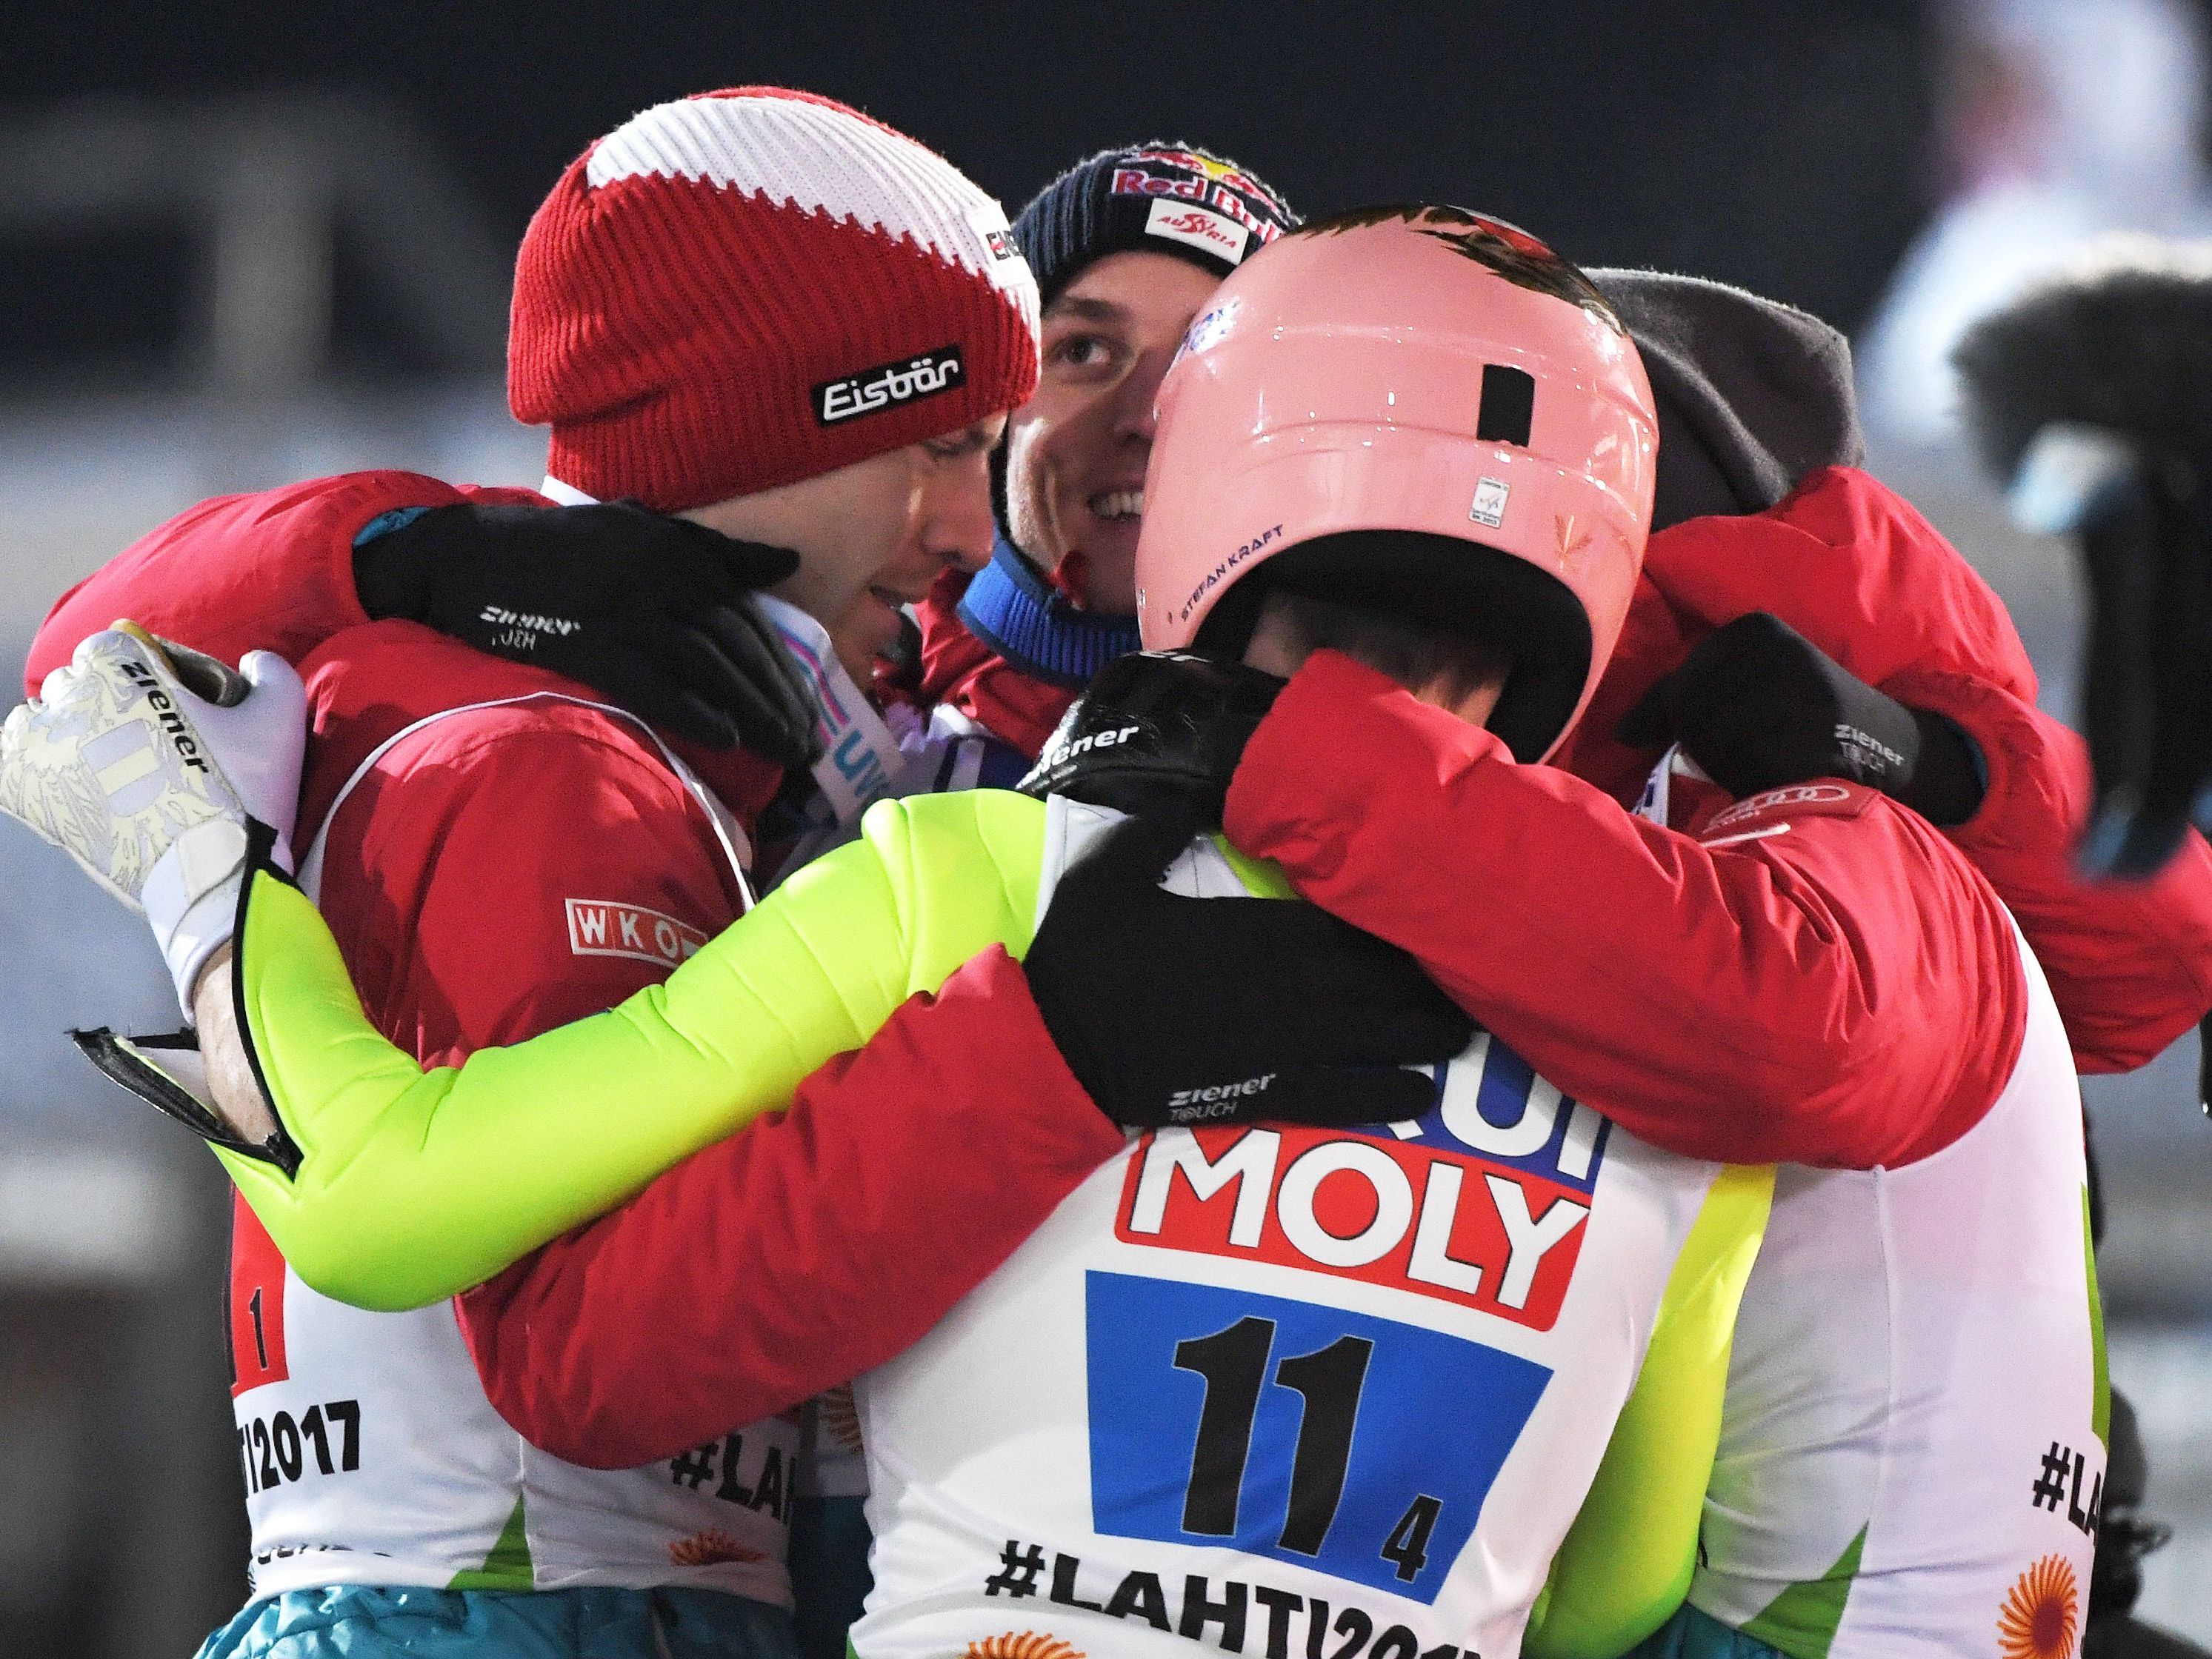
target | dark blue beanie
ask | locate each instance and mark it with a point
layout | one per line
(1169, 198)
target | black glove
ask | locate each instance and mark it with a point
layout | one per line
(654, 611)
(1172, 1010)
(1758, 705)
(1154, 725)
(2147, 696)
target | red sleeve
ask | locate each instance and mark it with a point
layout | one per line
(271, 571)
(1851, 566)
(1654, 640)
(811, 1247)
(959, 670)
(2129, 962)
(501, 853)
(506, 869)
(1849, 563)
(1822, 981)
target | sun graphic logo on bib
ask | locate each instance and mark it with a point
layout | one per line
(2042, 1612)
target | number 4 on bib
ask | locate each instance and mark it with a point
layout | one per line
(1292, 1430)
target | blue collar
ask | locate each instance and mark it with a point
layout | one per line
(1023, 617)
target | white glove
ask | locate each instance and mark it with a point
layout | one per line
(146, 763)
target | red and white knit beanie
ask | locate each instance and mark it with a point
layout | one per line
(751, 287)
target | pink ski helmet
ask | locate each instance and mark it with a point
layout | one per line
(1432, 374)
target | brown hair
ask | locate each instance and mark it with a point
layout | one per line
(1419, 657)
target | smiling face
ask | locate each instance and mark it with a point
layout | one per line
(872, 537)
(1076, 451)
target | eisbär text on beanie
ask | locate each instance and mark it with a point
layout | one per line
(749, 288)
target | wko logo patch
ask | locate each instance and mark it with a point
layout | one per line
(1480, 1202)
(608, 927)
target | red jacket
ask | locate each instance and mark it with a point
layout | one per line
(478, 879)
(590, 1347)
(960, 670)
(1827, 981)
(1850, 565)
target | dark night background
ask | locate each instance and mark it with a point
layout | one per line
(1779, 145)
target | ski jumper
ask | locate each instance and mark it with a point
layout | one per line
(2122, 961)
(1509, 1239)
(371, 1452)
(427, 1484)
(1917, 1403)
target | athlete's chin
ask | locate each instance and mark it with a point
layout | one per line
(1109, 572)
(868, 629)
(1111, 543)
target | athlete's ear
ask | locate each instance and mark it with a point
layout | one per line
(1277, 646)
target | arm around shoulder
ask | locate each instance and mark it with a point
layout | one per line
(413, 1185)
(807, 1248)
(1816, 986)
(269, 571)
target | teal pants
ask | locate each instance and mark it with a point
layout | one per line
(1694, 1635)
(363, 1621)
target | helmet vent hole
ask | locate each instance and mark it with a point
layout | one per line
(1508, 404)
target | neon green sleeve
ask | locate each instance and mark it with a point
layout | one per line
(415, 1185)
(1626, 1562)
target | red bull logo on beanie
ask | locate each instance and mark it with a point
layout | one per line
(1184, 176)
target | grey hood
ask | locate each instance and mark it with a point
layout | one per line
(1752, 394)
